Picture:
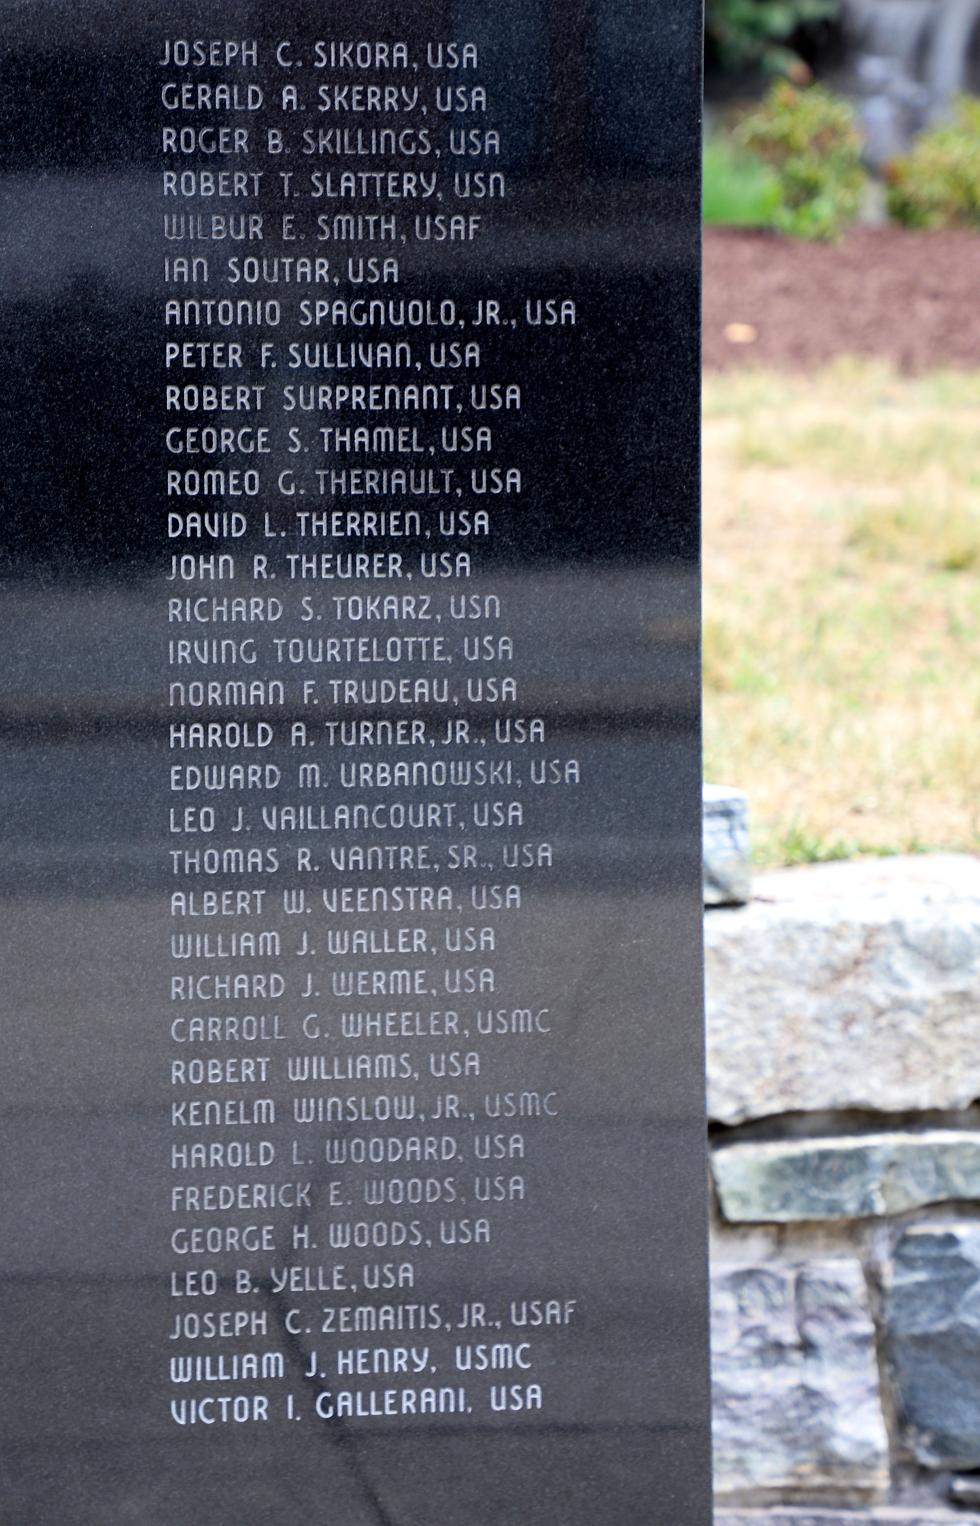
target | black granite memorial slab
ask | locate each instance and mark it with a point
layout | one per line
(351, 1112)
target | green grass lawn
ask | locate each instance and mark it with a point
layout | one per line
(842, 608)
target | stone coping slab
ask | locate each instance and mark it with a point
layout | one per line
(847, 986)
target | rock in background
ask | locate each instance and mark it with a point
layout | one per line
(932, 1321)
(844, 1073)
(727, 857)
(796, 1396)
(787, 1181)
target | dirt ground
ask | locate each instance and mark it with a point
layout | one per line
(909, 298)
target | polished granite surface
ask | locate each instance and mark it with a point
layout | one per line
(269, 1256)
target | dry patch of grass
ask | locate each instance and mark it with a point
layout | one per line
(842, 608)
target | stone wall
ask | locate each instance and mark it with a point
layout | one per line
(843, 1078)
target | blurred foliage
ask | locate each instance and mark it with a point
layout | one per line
(739, 190)
(810, 140)
(754, 34)
(937, 184)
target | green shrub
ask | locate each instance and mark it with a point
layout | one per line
(753, 33)
(810, 140)
(739, 191)
(937, 185)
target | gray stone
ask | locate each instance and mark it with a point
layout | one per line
(727, 860)
(886, 1517)
(966, 1490)
(796, 1398)
(863, 1176)
(932, 1318)
(850, 985)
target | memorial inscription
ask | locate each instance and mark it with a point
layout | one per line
(352, 1120)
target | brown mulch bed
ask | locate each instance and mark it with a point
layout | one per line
(910, 298)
